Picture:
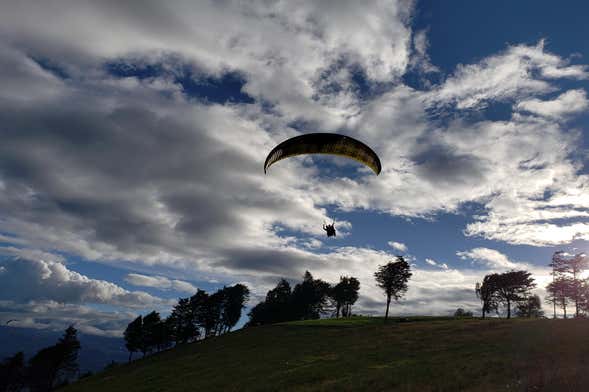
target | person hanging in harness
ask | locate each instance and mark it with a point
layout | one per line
(329, 229)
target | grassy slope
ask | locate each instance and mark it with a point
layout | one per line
(424, 355)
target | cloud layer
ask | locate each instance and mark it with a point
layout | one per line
(139, 168)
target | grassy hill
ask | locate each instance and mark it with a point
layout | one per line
(424, 354)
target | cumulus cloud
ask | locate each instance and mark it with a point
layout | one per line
(283, 47)
(398, 246)
(160, 282)
(137, 169)
(25, 280)
(430, 169)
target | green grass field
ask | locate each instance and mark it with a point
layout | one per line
(419, 354)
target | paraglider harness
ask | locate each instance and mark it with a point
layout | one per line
(330, 229)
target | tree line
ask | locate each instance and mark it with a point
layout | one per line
(508, 289)
(51, 367)
(200, 316)
(567, 287)
(313, 298)
(512, 288)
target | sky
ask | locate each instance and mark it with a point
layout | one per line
(134, 136)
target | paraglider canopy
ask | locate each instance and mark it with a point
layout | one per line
(325, 143)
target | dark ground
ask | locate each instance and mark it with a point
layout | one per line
(424, 354)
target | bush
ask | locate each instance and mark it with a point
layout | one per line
(462, 313)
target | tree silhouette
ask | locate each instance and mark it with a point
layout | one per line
(392, 278)
(182, 321)
(511, 287)
(69, 346)
(134, 336)
(276, 307)
(486, 293)
(234, 301)
(12, 373)
(309, 297)
(462, 313)
(531, 307)
(565, 267)
(210, 315)
(559, 292)
(55, 364)
(344, 295)
(154, 334)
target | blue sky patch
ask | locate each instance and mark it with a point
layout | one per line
(223, 89)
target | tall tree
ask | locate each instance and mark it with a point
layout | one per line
(134, 336)
(512, 287)
(576, 265)
(486, 293)
(12, 373)
(235, 299)
(344, 295)
(70, 346)
(275, 308)
(152, 331)
(557, 269)
(570, 267)
(206, 311)
(309, 297)
(210, 316)
(182, 321)
(392, 278)
(559, 292)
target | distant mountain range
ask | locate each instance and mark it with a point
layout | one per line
(96, 351)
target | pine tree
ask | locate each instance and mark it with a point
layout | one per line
(54, 365)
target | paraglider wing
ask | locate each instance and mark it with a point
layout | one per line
(324, 143)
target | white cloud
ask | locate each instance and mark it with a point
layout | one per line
(26, 253)
(398, 246)
(24, 280)
(505, 76)
(570, 102)
(421, 58)
(160, 282)
(427, 168)
(283, 47)
(490, 257)
(434, 263)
